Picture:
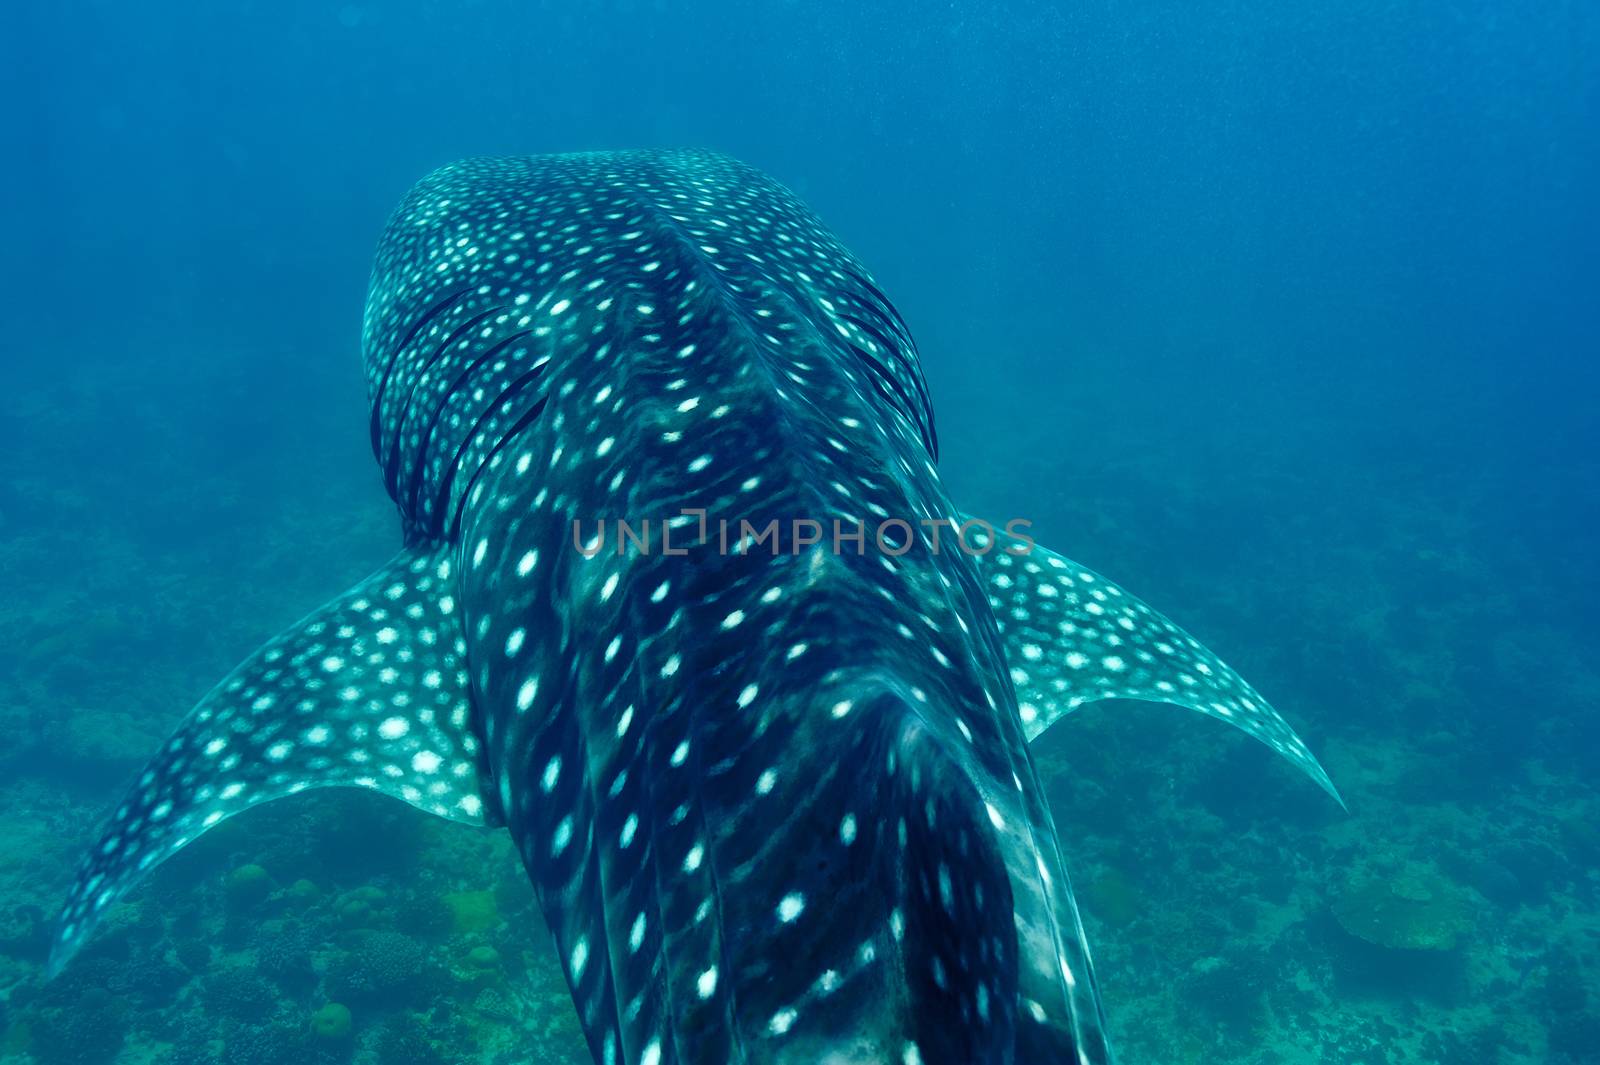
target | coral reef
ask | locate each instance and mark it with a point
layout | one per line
(88, 1032)
(384, 971)
(1416, 909)
(285, 956)
(404, 1040)
(240, 994)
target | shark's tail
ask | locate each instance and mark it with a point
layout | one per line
(953, 921)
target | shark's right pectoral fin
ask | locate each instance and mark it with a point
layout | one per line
(1072, 637)
(369, 691)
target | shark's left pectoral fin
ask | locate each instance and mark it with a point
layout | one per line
(1072, 636)
(369, 691)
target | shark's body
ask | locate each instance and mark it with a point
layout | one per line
(777, 805)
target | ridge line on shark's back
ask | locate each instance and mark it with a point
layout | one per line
(776, 809)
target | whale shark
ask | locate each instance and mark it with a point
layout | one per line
(683, 606)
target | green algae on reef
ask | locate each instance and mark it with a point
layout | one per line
(331, 1023)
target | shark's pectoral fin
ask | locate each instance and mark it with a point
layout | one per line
(369, 691)
(1072, 636)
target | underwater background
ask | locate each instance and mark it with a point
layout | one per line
(1284, 316)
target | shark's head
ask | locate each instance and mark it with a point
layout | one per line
(685, 607)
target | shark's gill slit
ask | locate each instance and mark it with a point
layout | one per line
(888, 387)
(401, 413)
(920, 413)
(884, 307)
(512, 433)
(424, 455)
(381, 389)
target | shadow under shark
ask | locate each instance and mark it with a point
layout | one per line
(777, 806)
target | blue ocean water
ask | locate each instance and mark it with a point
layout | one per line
(1286, 317)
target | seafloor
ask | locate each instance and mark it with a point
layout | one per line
(1427, 647)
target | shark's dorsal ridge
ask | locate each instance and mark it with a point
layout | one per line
(368, 691)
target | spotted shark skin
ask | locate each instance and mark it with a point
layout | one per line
(777, 805)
